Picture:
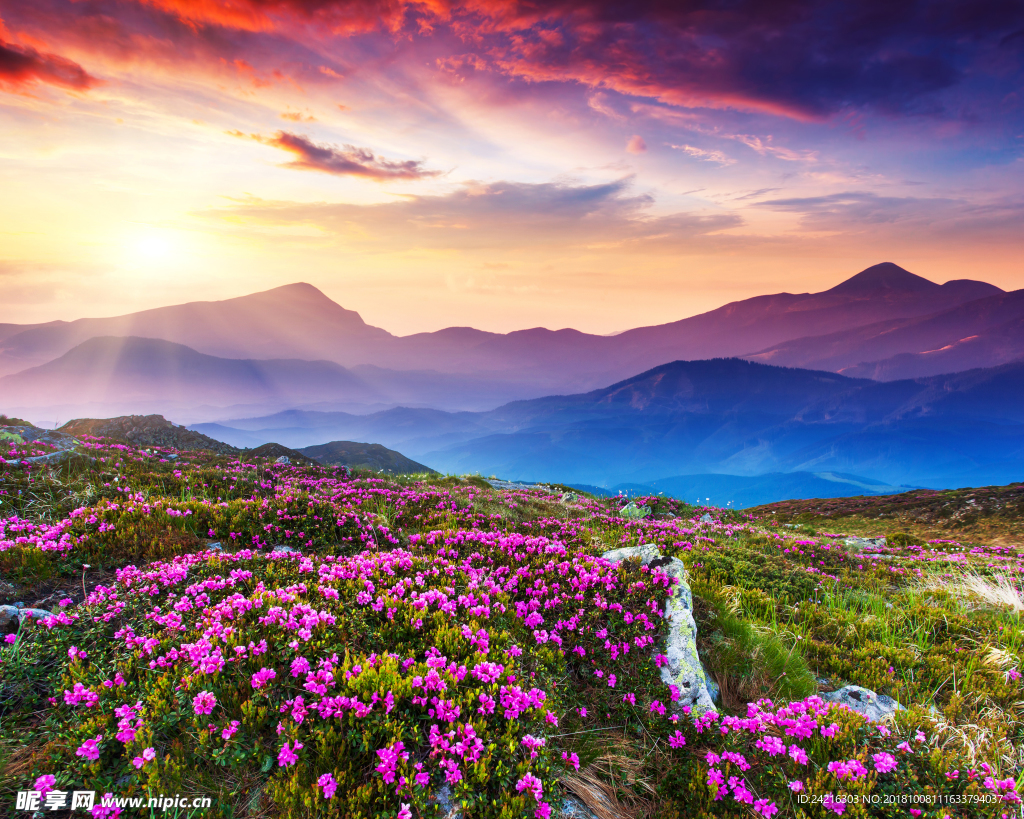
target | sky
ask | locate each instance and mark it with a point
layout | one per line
(500, 164)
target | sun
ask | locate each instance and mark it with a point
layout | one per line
(154, 245)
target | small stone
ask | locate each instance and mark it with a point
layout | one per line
(706, 518)
(215, 546)
(280, 547)
(284, 459)
(876, 707)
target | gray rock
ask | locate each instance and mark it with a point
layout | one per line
(215, 546)
(706, 518)
(684, 668)
(8, 615)
(19, 612)
(633, 512)
(713, 690)
(876, 707)
(572, 807)
(280, 547)
(35, 614)
(284, 459)
(443, 798)
(860, 544)
(569, 497)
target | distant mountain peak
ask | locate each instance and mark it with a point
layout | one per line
(884, 276)
(306, 297)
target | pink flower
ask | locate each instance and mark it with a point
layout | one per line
(286, 756)
(532, 784)
(204, 702)
(796, 786)
(262, 677)
(44, 784)
(90, 749)
(405, 812)
(327, 784)
(106, 807)
(147, 756)
(10, 638)
(884, 762)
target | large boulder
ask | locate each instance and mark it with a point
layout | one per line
(864, 544)
(684, 669)
(876, 707)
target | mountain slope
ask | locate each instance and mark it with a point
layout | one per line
(985, 332)
(294, 321)
(130, 370)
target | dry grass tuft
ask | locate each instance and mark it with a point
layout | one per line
(613, 787)
(999, 590)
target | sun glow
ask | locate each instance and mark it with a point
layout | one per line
(155, 245)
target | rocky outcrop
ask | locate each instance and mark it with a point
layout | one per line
(876, 707)
(146, 430)
(684, 669)
(65, 444)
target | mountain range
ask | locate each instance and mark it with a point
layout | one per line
(884, 322)
(726, 416)
(886, 374)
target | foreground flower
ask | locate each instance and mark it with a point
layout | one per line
(147, 756)
(204, 702)
(44, 784)
(327, 784)
(90, 749)
(286, 756)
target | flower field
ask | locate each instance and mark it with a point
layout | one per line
(302, 641)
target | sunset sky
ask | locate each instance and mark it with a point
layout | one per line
(502, 164)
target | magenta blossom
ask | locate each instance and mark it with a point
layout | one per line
(90, 749)
(286, 756)
(327, 784)
(204, 702)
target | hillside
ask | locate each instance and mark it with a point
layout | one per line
(365, 456)
(745, 491)
(990, 514)
(274, 630)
